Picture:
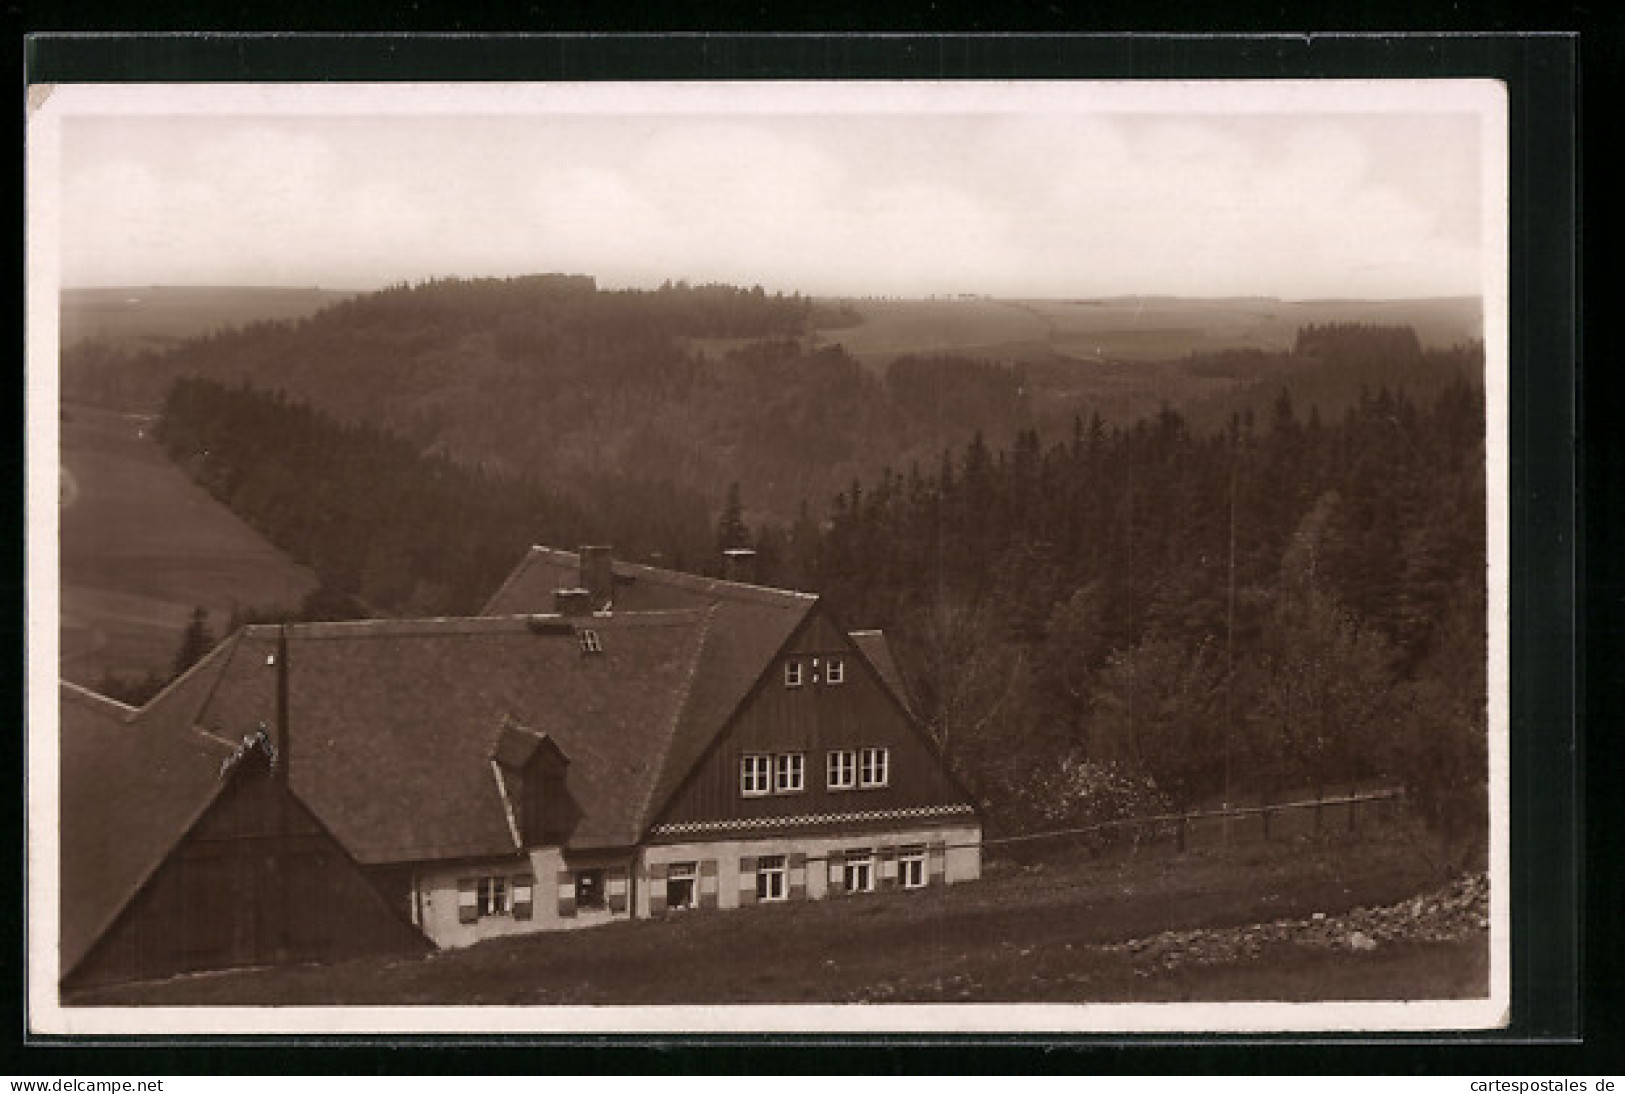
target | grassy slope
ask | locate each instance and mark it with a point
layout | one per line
(1022, 933)
(141, 546)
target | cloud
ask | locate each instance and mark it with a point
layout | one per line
(1018, 204)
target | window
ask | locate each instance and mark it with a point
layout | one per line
(872, 767)
(492, 896)
(911, 867)
(860, 870)
(835, 671)
(590, 642)
(792, 674)
(589, 889)
(682, 885)
(755, 775)
(789, 772)
(842, 770)
(770, 871)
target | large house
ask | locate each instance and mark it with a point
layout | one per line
(606, 741)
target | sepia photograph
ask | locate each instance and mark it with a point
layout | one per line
(728, 557)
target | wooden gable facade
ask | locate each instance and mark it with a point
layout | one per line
(256, 880)
(797, 714)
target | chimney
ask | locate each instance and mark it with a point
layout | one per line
(572, 602)
(598, 575)
(739, 564)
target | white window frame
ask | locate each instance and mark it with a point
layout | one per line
(911, 868)
(789, 772)
(755, 775)
(874, 767)
(858, 870)
(841, 769)
(590, 642)
(793, 673)
(684, 871)
(772, 878)
(834, 671)
(491, 896)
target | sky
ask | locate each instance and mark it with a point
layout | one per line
(1064, 195)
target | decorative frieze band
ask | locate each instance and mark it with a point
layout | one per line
(757, 823)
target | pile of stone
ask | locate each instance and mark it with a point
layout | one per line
(1455, 911)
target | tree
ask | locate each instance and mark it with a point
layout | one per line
(196, 641)
(1157, 709)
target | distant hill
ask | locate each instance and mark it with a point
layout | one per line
(155, 316)
(558, 380)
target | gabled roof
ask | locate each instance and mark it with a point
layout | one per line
(746, 626)
(392, 725)
(129, 790)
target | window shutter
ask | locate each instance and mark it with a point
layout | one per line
(615, 886)
(657, 888)
(797, 863)
(523, 898)
(567, 894)
(888, 867)
(747, 880)
(937, 863)
(467, 900)
(708, 884)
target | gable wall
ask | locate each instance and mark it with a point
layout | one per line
(255, 882)
(813, 719)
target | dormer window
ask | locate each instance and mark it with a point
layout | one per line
(792, 674)
(835, 671)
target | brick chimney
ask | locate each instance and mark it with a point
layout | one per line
(739, 564)
(598, 575)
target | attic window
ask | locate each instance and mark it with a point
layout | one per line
(835, 671)
(792, 674)
(589, 641)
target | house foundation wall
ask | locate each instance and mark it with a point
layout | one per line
(821, 869)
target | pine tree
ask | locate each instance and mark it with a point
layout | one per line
(196, 641)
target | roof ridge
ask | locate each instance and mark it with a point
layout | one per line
(678, 714)
(440, 626)
(229, 646)
(89, 697)
(719, 586)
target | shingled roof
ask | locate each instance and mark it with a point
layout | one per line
(129, 789)
(873, 645)
(392, 724)
(746, 626)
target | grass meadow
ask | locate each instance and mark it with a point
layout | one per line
(141, 546)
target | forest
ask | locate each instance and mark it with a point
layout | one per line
(1108, 618)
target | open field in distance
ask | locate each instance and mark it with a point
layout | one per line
(1128, 328)
(141, 546)
(152, 317)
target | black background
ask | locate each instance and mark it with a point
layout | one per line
(1567, 858)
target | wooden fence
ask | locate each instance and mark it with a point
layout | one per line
(1207, 827)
